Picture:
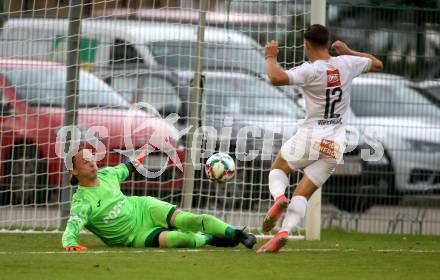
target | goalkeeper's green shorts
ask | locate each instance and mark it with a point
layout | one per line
(154, 217)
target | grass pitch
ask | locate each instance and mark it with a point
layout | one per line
(339, 255)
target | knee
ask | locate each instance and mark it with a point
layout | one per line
(202, 220)
(196, 219)
(190, 222)
(281, 164)
(276, 175)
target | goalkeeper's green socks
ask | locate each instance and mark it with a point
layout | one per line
(178, 239)
(208, 224)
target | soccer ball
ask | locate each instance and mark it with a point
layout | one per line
(220, 167)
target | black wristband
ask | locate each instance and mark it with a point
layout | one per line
(130, 166)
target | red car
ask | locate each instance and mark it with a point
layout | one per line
(32, 111)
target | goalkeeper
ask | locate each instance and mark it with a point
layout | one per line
(118, 220)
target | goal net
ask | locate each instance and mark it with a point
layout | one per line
(138, 63)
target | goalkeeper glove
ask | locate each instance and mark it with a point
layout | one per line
(140, 158)
(76, 248)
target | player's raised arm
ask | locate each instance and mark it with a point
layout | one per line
(78, 218)
(276, 75)
(342, 49)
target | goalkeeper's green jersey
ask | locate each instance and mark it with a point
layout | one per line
(103, 210)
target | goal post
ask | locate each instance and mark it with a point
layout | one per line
(313, 216)
(194, 104)
(72, 91)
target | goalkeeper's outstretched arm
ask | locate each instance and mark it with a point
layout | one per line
(122, 173)
(78, 218)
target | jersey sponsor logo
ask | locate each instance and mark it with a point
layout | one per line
(328, 148)
(330, 122)
(333, 78)
(114, 213)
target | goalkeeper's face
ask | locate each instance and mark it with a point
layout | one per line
(84, 166)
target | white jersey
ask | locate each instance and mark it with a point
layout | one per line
(327, 88)
(319, 144)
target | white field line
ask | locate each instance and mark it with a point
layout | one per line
(261, 237)
(150, 251)
(18, 231)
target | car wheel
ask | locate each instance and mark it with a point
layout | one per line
(25, 178)
(358, 201)
(393, 196)
(5, 195)
(386, 193)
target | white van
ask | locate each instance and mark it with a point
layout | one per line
(107, 42)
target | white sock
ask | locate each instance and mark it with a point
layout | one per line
(295, 212)
(278, 182)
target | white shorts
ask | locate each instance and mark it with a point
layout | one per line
(311, 154)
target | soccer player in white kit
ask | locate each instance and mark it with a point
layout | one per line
(320, 141)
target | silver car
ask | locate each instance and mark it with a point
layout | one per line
(405, 122)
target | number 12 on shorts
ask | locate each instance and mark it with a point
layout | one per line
(332, 96)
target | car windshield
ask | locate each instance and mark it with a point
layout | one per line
(218, 56)
(434, 91)
(370, 100)
(229, 96)
(47, 88)
(155, 90)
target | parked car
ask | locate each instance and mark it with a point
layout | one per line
(432, 71)
(430, 89)
(243, 22)
(105, 43)
(158, 87)
(407, 125)
(33, 96)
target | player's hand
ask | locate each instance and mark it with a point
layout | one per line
(341, 48)
(271, 49)
(76, 248)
